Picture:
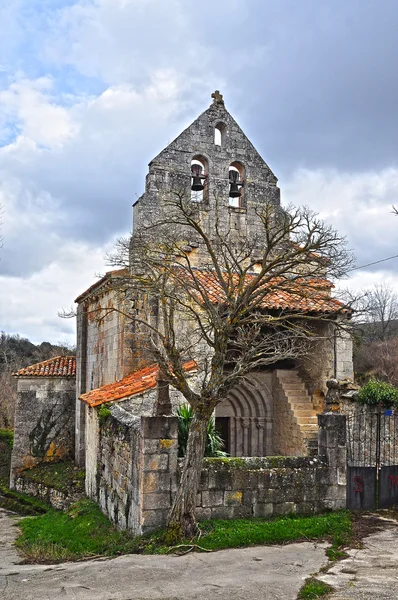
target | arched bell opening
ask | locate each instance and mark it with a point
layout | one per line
(199, 170)
(236, 177)
(244, 419)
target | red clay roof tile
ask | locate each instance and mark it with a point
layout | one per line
(311, 295)
(59, 366)
(136, 383)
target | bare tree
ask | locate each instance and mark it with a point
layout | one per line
(380, 313)
(228, 303)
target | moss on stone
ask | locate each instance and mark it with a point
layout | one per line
(61, 476)
(255, 463)
(103, 413)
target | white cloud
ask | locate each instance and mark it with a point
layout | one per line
(359, 206)
(35, 113)
(29, 305)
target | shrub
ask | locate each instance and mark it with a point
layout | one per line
(378, 393)
(214, 442)
(7, 436)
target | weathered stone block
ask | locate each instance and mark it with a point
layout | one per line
(159, 427)
(212, 498)
(156, 462)
(263, 509)
(153, 519)
(203, 513)
(222, 512)
(156, 501)
(233, 498)
(220, 480)
(156, 482)
(284, 508)
(242, 512)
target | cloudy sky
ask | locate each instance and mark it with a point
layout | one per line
(91, 90)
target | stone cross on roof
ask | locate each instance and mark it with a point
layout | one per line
(217, 97)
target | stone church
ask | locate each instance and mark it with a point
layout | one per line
(272, 413)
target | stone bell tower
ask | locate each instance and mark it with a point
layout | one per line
(220, 172)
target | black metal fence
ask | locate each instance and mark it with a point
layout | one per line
(372, 458)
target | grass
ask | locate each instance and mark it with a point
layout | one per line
(313, 588)
(83, 531)
(61, 476)
(218, 534)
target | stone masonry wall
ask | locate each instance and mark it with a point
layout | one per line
(56, 498)
(44, 422)
(262, 487)
(137, 473)
(134, 474)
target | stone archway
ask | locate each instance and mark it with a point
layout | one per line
(248, 409)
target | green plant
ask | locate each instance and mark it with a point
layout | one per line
(313, 588)
(81, 532)
(378, 393)
(7, 436)
(103, 413)
(214, 442)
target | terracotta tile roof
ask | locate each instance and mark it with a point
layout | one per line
(302, 295)
(100, 283)
(136, 383)
(59, 366)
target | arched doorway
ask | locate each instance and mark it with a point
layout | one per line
(245, 418)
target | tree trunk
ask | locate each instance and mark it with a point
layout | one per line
(181, 522)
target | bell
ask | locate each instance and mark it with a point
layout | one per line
(197, 185)
(234, 191)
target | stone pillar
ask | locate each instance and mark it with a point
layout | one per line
(159, 453)
(332, 448)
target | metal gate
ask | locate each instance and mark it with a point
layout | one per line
(372, 458)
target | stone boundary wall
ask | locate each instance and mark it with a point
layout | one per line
(264, 487)
(57, 499)
(44, 422)
(137, 470)
(275, 485)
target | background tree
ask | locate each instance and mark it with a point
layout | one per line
(232, 305)
(376, 334)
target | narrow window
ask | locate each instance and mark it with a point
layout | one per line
(219, 132)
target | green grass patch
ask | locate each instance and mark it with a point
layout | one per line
(219, 534)
(7, 436)
(82, 532)
(21, 503)
(61, 476)
(313, 588)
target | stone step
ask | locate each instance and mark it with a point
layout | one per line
(293, 386)
(301, 406)
(306, 420)
(283, 374)
(290, 379)
(297, 396)
(310, 427)
(304, 412)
